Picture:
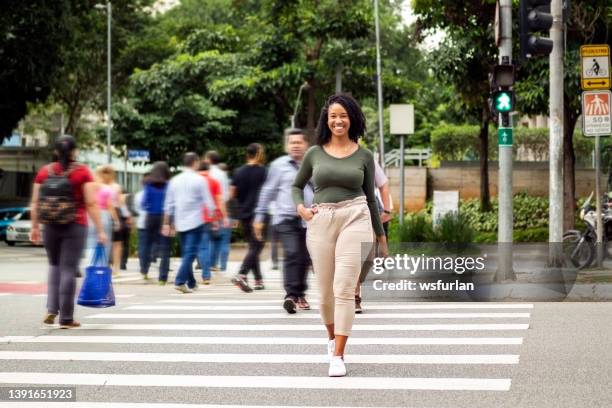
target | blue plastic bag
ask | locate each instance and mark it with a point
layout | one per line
(97, 288)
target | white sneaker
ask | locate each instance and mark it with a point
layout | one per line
(183, 289)
(331, 348)
(337, 367)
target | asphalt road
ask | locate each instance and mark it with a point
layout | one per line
(220, 346)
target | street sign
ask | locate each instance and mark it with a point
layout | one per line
(595, 72)
(597, 120)
(138, 155)
(504, 136)
(401, 119)
(401, 122)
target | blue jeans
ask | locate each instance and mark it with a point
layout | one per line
(152, 240)
(204, 252)
(163, 250)
(190, 243)
(143, 257)
(219, 248)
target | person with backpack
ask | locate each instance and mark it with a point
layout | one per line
(62, 196)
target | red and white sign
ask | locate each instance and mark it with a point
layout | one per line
(597, 119)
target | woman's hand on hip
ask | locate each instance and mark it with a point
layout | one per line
(306, 213)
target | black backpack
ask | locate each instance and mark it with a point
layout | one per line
(56, 203)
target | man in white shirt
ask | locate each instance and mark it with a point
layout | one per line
(187, 196)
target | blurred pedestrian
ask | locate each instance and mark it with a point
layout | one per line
(103, 179)
(290, 227)
(141, 216)
(246, 184)
(213, 222)
(220, 242)
(186, 196)
(118, 200)
(127, 226)
(341, 226)
(153, 197)
(383, 204)
(273, 238)
(62, 195)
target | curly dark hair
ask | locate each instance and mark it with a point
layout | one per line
(356, 116)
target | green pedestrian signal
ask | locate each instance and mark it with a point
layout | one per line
(503, 101)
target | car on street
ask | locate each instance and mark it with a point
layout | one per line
(7, 217)
(19, 230)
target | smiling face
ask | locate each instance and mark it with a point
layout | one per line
(338, 120)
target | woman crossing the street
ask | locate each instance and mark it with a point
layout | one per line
(342, 222)
(63, 194)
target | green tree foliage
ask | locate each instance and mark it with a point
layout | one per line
(245, 61)
(31, 34)
(464, 61)
(80, 82)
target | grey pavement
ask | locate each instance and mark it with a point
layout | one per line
(159, 347)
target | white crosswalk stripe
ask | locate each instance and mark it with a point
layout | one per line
(264, 340)
(348, 383)
(84, 357)
(304, 327)
(260, 358)
(251, 305)
(142, 405)
(192, 316)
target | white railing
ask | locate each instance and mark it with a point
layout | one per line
(392, 158)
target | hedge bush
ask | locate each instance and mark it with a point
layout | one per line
(530, 223)
(451, 229)
(528, 212)
(461, 142)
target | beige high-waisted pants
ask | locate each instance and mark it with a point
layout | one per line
(339, 238)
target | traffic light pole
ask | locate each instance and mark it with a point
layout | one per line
(504, 232)
(555, 229)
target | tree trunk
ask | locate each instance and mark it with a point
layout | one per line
(74, 116)
(569, 177)
(74, 108)
(485, 199)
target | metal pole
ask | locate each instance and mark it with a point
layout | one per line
(555, 229)
(339, 78)
(297, 105)
(598, 202)
(108, 83)
(504, 233)
(381, 133)
(401, 168)
(125, 169)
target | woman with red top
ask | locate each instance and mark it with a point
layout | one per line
(65, 230)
